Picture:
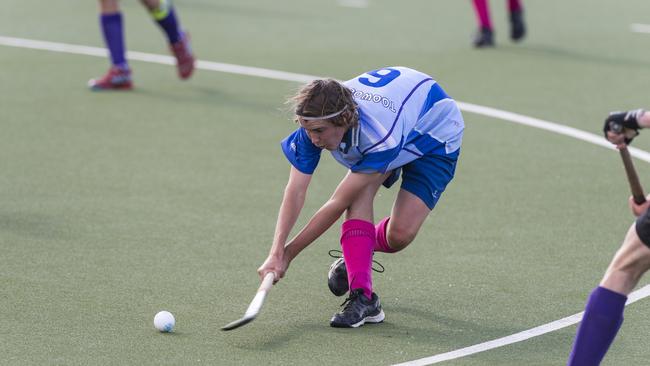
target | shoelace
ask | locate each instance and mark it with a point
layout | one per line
(349, 302)
(339, 254)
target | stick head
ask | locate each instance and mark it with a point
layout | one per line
(238, 323)
(255, 305)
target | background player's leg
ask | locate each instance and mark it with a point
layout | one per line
(113, 31)
(517, 25)
(483, 13)
(119, 75)
(484, 36)
(109, 6)
(164, 14)
(604, 310)
(514, 5)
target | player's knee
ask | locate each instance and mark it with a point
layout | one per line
(399, 237)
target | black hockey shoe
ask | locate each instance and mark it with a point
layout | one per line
(484, 38)
(517, 26)
(358, 310)
(337, 276)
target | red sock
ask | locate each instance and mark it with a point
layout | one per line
(357, 242)
(483, 13)
(514, 5)
(381, 243)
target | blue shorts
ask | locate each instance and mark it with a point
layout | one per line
(428, 176)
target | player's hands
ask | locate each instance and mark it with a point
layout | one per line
(622, 127)
(639, 210)
(275, 264)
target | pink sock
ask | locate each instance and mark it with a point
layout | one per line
(483, 13)
(514, 5)
(357, 242)
(381, 243)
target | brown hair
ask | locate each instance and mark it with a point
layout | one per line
(323, 97)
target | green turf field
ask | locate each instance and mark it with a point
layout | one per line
(114, 206)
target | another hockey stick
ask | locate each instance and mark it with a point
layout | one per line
(632, 177)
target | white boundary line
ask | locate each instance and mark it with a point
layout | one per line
(304, 78)
(359, 4)
(517, 337)
(640, 28)
(467, 107)
(549, 126)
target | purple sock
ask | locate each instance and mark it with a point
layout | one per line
(600, 323)
(113, 31)
(169, 24)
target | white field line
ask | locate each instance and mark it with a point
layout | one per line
(549, 126)
(304, 78)
(517, 337)
(467, 107)
(640, 28)
(361, 4)
(153, 58)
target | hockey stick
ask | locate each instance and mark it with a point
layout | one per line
(632, 177)
(255, 305)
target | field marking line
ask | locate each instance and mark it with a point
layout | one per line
(467, 107)
(305, 78)
(640, 28)
(549, 126)
(517, 337)
(154, 58)
(359, 4)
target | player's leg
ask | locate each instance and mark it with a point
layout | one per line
(604, 310)
(357, 243)
(337, 276)
(484, 36)
(164, 14)
(358, 239)
(396, 232)
(119, 75)
(517, 25)
(423, 182)
(630, 263)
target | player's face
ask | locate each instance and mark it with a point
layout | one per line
(324, 134)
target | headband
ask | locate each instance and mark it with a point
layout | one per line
(323, 117)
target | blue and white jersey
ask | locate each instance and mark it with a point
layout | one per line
(403, 115)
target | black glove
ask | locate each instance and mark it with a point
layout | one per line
(617, 122)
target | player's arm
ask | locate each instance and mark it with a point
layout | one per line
(292, 203)
(620, 129)
(349, 188)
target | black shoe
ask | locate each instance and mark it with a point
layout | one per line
(517, 26)
(484, 38)
(337, 276)
(358, 310)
